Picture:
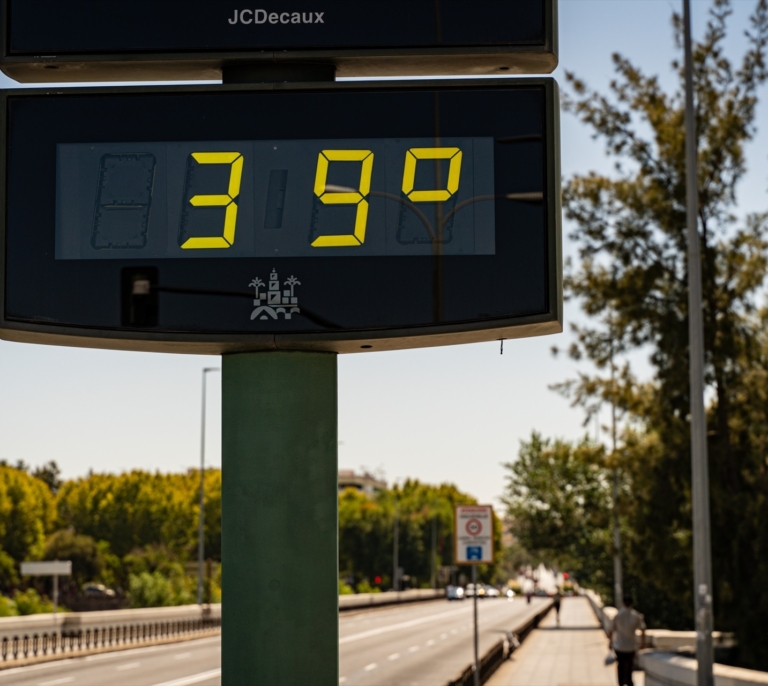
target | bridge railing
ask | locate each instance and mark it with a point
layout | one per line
(40, 636)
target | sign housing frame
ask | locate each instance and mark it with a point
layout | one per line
(477, 60)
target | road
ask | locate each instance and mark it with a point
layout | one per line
(423, 644)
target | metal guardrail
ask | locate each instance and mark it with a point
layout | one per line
(36, 636)
(46, 636)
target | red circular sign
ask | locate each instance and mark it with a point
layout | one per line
(474, 527)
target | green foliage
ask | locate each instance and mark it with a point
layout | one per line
(631, 279)
(29, 602)
(49, 474)
(87, 560)
(365, 587)
(345, 588)
(366, 532)
(8, 573)
(141, 509)
(8, 607)
(558, 500)
(27, 513)
(154, 589)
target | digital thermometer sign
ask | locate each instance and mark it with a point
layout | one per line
(275, 198)
(343, 217)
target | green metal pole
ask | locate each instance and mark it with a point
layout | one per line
(280, 519)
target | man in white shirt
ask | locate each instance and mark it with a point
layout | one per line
(622, 635)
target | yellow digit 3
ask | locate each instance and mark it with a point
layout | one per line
(454, 173)
(331, 196)
(227, 239)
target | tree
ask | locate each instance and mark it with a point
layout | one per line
(557, 496)
(49, 474)
(87, 559)
(140, 509)
(366, 532)
(631, 279)
(27, 513)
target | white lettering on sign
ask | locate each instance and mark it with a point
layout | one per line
(263, 17)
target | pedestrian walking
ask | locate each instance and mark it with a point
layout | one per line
(623, 639)
(557, 598)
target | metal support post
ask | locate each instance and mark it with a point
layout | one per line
(474, 611)
(618, 581)
(702, 555)
(395, 567)
(201, 523)
(434, 551)
(280, 519)
(55, 600)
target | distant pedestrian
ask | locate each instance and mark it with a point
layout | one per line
(558, 597)
(622, 635)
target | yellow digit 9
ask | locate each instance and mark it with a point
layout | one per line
(227, 239)
(454, 173)
(330, 196)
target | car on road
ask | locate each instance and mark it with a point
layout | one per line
(454, 593)
(491, 591)
(97, 591)
(470, 591)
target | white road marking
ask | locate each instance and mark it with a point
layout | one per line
(397, 627)
(393, 656)
(64, 680)
(371, 667)
(342, 680)
(194, 679)
(443, 636)
(130, 665)
(182, 656)
(430, 642)
(34, 668)
(413, 649)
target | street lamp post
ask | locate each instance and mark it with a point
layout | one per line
(201, 530)
(702, 554)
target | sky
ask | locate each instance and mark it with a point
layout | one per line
(452, 414)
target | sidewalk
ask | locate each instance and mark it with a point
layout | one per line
(570, 655)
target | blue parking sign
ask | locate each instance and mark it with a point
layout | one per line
(474, 552)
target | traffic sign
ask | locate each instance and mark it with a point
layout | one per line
(228, 218)
(94, 40)
(474, 534)
(47, 568)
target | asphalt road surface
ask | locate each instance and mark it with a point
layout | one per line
(424, 644)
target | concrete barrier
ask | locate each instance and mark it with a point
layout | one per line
(667, 669)
(659, 639)
(358, 601)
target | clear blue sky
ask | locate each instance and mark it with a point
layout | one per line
(445, 414)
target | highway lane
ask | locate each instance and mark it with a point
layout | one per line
(189, 663)
(423, 644)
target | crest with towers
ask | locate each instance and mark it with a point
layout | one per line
(274, 300)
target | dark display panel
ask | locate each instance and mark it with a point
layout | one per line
(278, 198)
(133, 26)
(290, 299)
